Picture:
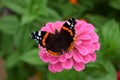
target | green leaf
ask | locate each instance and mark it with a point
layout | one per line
(52, 13)
(27, 19)
(67, 75)
(97, 20)
(16, 5)
(49, 16)
(109, 75)
(97, 69)
(111, 33)
(37, 4)
(77, 10)
(1, 53)
(23, 39)
(115, 4)
(32, 57)
(12, 60)
(7, 44)
(9, 24)
(34, 9)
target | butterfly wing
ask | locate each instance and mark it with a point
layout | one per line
(46, 40)
(67, 32)
(39, 37)
(69, 25)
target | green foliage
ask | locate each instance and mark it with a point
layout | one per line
(18, 18)
(12, 60)
(111, 37)
(115, 4)
(32, 57)
(65, 75)
(97, 20)
(100, 70)
(9, 24)
(23, 39)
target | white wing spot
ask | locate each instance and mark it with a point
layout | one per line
(37, 37)
(68, 23)
(71, 26)
(39, 33)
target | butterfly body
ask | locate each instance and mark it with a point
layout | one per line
(56, 43)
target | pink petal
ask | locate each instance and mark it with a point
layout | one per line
(78, 42)
(84, 36)
(82, 27)
(45, 57)
(89, 28)
(78, 66)
(48, 29)
(97, 46)
(68, 64)
(62, 58)
(86, 58)
(87, 41)
(78, 26)
(81, 23)
(76, 56)
(68, 55)
(82, 50)
(93, 57)
(58, 67)
(51, 26)
(51, 68)
(79, 30)
(39, 46)
(41, 54)
(89, 47)
(53, 60)
(58, 25)
(94, 37)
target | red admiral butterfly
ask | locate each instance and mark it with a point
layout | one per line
(56, 43)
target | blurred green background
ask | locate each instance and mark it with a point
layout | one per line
(19, 58)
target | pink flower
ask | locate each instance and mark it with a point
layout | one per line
(85, 45)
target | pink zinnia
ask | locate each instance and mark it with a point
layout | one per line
(83, 51)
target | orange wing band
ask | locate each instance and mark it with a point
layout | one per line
(66, 29)
(53, 53)
(44, 39)
(71, 46)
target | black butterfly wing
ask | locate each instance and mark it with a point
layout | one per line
(38, 36)
(67, 32)
(48, 41)
(70, 24)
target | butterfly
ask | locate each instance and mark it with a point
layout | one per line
(61, 41)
